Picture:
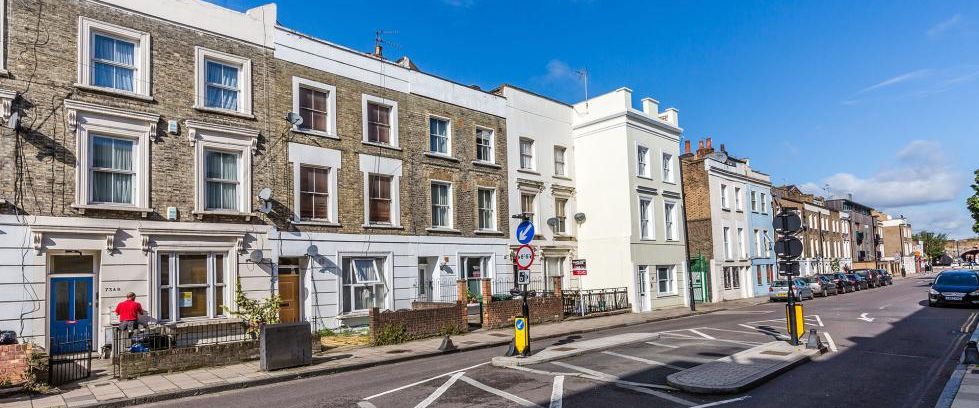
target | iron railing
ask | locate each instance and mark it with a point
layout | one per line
(70, 358)
(503, 285)
(175, 336)
(585, 302)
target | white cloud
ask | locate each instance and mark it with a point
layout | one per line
(559, 71)
(951, 23)
(918, 83)
(908, 76)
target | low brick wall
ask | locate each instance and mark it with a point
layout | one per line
(427, 319)
(132, 365)
(13, 363)
(542, 309)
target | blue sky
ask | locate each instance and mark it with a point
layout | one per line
(877, 98)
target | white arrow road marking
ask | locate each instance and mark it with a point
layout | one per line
(863, 316)
(716, 403)
(829, 340)
(653, 343)
(440, 390)
(495, 391)
(643, 360)
(702, 334)
(557, 392)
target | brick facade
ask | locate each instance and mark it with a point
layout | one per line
(426, 320)
(542, 309)
(132, 365)
(14, 363)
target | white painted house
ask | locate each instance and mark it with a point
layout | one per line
(629, 190)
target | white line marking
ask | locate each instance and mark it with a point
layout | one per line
(542, 372)
(424, 381)
(557, 392)
(653, 343)
(765, 331)
(600, 376)
(365, 404)
(829, 340)
(883, 307)
(716, 403)
(439, 391)
(498, 392)
(643, 360)
(730, 331)
(702, 334)
(686, 336)
(662, 395)
(818, 320)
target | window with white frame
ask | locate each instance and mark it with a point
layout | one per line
(379, 196)
(439, 130)
(670, 221)
(191, 285)
(642, 161)
(728, 252)
(528, 205)
(764, 204)
(559, 161)
(484, 145)
(754, 201)
(221, 180)
(526, 153)
(112, 57)
(767, 244)
(645, 218)
(742, 249)
(668, 167)
(486, 208)
(560, 216)
(665, 280)
(223, 82)
(315, 103)
(364, 284)
(441, 205)
(314, 193)
(724, 202)
(314, 182)
(382, 197)
(738, 204)
(112, 170)
(758, 243)
(732, 277)
(378, 123)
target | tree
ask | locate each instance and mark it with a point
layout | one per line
(973, 204)
(934, 244)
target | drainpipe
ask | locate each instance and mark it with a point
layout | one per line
(686, 245)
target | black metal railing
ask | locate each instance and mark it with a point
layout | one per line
(503, 285)
(70, 358)
(176, 335)
(585, 302)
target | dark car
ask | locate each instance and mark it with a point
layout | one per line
(885, 277)
(858, 282)
(954, 287)
(832, 278)
(870, 275)
(842, 282)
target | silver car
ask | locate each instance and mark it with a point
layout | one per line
(779, 290)
(820, 285)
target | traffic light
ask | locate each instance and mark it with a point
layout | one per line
(788, 248)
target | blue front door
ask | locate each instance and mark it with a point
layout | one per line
(71, 314)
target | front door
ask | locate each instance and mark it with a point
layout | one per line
(289, 294)
(642, 286)
(424, 283)
(72, 309)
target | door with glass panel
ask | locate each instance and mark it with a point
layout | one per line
(192, 286)
(642, 288)
(71, 313)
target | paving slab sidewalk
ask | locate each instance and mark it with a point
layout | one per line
(104, 391)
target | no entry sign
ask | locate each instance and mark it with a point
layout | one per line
(524, 257)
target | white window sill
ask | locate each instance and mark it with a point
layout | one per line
(667, 295)
(386, 146)
(232, 213)
(383, 226)
(111, 207)
(650, 178)
(320, 223)
(486, 164)
(442, 156)
(225, 112)
(673, 182)
(117, 92)
(443, 229)
(487, 232)
(312, 132)
(528, 171)
(562, 177)
(647, 239)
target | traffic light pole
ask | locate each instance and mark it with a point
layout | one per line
(788, 249)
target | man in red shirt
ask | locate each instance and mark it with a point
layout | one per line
(129, 311)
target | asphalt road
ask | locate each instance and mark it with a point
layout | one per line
(890, 350)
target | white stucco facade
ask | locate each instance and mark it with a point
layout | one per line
(608, 133)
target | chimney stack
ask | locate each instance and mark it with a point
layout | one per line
(686, 146)
(709, 144)
(700, 145)
(722, 148)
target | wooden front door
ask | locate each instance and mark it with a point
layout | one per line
(289, 309)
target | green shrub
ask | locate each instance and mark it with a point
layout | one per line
(393, 334)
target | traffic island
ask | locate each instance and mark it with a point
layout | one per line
(574, 349)
(743, 370)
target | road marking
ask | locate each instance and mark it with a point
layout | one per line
(818, 320)
(832, 344)
(863, 316)
(600, 376)
(653, 343)
(686, 336)
(662, 395)
(968, 322)
(498, 392)
(728, 401)
(766, 331)
(424, 381)
(365, 404)
(730, 331)
(643, 360)
(883, 307)
(557, 392)
(440, 390)
(702, 334)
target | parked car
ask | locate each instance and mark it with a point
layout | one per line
(858, 282)
(843, 284)
(885, 277)
(820, 285)
(870, 275)
(954, 287)
(779, 290)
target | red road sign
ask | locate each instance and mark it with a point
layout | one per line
(524, 257)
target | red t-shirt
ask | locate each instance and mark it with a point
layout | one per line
(128, 310)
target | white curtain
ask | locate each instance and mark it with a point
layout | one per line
(222, 86)
(112, 170)
(222, 184)
(113, 63)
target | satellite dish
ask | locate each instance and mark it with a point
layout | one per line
(580, 217)
(312, 251)
(265, 208)
(552, 222)
(265, 194)
(257, 256)
(721, 157)
(294, 118)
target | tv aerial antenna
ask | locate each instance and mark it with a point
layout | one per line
(380, 42)
(583, 74)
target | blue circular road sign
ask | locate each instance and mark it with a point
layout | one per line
(520, 324)
(525, 232)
